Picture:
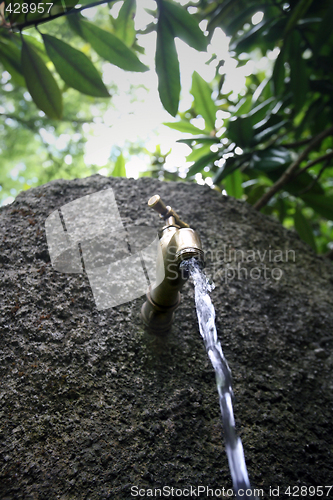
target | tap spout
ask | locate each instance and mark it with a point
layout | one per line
(178, 242)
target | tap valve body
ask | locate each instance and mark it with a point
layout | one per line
(178, 242)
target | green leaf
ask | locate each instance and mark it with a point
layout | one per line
(323, 205)
(273, 34)
(260, 111)
(36, 44)
(262, 92)
(110, 48)
(40, 82)
(199, 140)
(167, 66)
(268, 132)
(74, 67)
(203, 102)
(324, 32)
(256, 192)
(243, 106)
(221, 16)
(281, 207)
(74, 22)
(270, 159)
(298, 71)
(303, 181)
(246, 41)
(304, 229)
(10, 58)
(240, 19)
(119, 168)
(298, 11)
(231, 164)
(200, 164)
(183, 126)
(197, 153)
(184, 25)
(279, 73)
(233, 184)
(240, 130)
(124, 24)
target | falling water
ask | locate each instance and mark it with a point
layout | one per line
(206, 319)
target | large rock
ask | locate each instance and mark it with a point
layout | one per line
(92, 404)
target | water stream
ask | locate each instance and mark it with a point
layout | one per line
(206, 319)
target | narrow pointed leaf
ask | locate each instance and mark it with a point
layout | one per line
(10, 58)
(297, 13)
(323, 34)
(197, 153)
(74, 22)
(237, 23)
(259, 112)
(203, 102)
(110, 48)
(270, 159)
(200, 164)
(40, 82)
(230, 166)
(243, 106)
(269, 131)
(323, 205)
(304, 229)
(184, 25)
(240, 130)
(250, 38)
(279, 73)
(298, 71)
(200, 140)
(124, 24)
(119, 168)
(36, 44)
(183, 126)
(233, 184)
(74, 67)
(167, 66)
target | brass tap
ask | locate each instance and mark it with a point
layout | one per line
(178, 242)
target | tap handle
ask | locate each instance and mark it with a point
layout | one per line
(157, 204)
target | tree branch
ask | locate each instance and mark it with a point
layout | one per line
(324, 157)
(297, 144)
(289, 173)
(316, 179)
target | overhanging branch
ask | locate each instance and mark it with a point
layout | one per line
(289, 173)
(314, 162)
(316, 179)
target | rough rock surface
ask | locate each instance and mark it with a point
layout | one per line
(92, 404)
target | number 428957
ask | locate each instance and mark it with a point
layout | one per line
(29, 8)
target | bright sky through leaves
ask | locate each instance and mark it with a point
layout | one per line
(141, 119)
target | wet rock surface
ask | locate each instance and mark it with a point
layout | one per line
(92, 404)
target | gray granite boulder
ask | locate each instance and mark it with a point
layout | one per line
(94, 407)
